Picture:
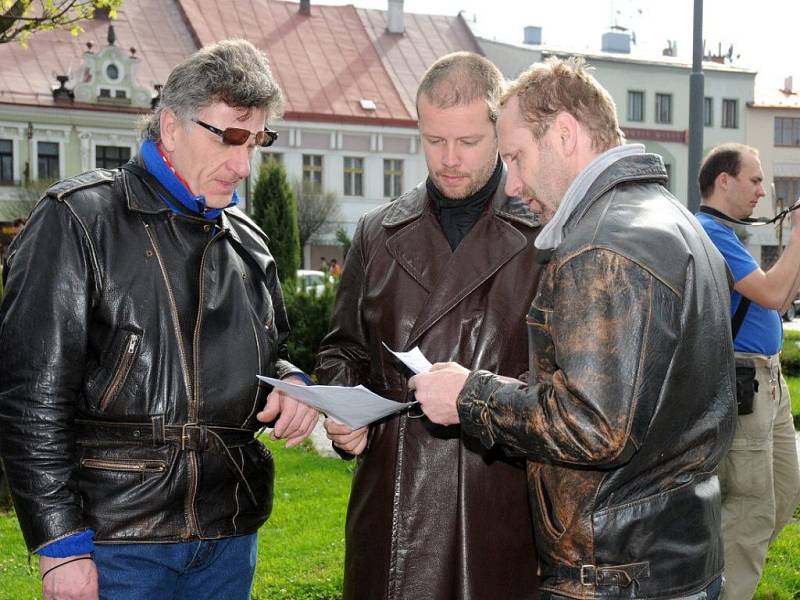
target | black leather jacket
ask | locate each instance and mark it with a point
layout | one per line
(633, 401)
(130, 342)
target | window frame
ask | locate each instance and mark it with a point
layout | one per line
(660, 98)
(726, 103)
(353, 174)
(118, 162)
(312, 172)
(393, 177)
(640, 94)
(10, 162)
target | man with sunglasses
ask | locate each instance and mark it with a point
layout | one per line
(140, 305)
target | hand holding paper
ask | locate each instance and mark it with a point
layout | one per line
(353, 406)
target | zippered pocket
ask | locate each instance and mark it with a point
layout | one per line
(136, 467)
(123, 368)
(129, 466)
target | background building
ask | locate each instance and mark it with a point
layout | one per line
(349, 76)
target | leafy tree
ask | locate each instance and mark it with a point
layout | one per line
(275, 211)
(20, 18)
(315, 211)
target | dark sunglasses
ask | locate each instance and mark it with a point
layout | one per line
(233, 136)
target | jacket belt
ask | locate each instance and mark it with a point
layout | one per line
(619, 575)
(188, 436)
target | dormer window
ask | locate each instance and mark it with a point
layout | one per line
(112, 72)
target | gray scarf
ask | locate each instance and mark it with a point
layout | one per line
(552, 233)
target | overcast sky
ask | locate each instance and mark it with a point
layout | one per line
(765, 34)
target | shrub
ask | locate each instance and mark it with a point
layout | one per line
(275, 211)
(309, 317)
(790, 353)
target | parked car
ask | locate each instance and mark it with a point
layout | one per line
(793, 310)
(313, 281)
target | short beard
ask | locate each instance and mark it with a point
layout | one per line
(482, 178)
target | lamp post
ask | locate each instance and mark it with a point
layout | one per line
(696, 110)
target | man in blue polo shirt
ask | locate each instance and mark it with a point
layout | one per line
(759, 477)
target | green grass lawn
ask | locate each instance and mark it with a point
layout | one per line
(301, 546)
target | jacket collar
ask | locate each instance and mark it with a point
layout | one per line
(413, 203)
(418, 245)
(641, 168)
(143, 196)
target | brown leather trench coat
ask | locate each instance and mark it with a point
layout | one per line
(433, 516)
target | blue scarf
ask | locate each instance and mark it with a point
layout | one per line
(158, 168)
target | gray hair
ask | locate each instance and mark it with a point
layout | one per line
(234, 72)
(460, 78)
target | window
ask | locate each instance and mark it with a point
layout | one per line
(111, 157)
(787, 131)
(312, 172)
(708, 111)
(48, 160)
(663, 108)
(268, 157)
(392, 177)
(6, 162)
(112, 72)
(353, 176)
(787, 190)
(730, 113)
(635, 106)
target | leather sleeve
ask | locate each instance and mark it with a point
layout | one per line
(343, 356)
(604, 333)
(43, 339)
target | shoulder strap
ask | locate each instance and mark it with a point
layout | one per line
(738, 317)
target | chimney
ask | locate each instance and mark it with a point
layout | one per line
(395, 17)
(533, 35)
(787, 85)
(305, 8)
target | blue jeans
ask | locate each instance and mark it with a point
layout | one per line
(195, 570)
(710, 593)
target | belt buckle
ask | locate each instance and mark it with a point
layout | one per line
(586, 572)
(185, 435)
(201, 443)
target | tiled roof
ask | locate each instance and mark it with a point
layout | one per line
(407, 57)
(325, 63)
(155, 28)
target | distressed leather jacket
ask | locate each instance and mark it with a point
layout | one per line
(632, 405)
(131, 338)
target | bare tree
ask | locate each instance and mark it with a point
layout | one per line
(316, 210)
(20, 18)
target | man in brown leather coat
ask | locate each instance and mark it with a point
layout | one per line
(630, 403)
(449, 267)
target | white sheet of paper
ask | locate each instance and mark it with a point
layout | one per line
(413, 359)
(353, 406)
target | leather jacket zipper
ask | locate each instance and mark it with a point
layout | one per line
(125, 362)
(195, 397)
(191, 517)
(124, 465)
(142, 467)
